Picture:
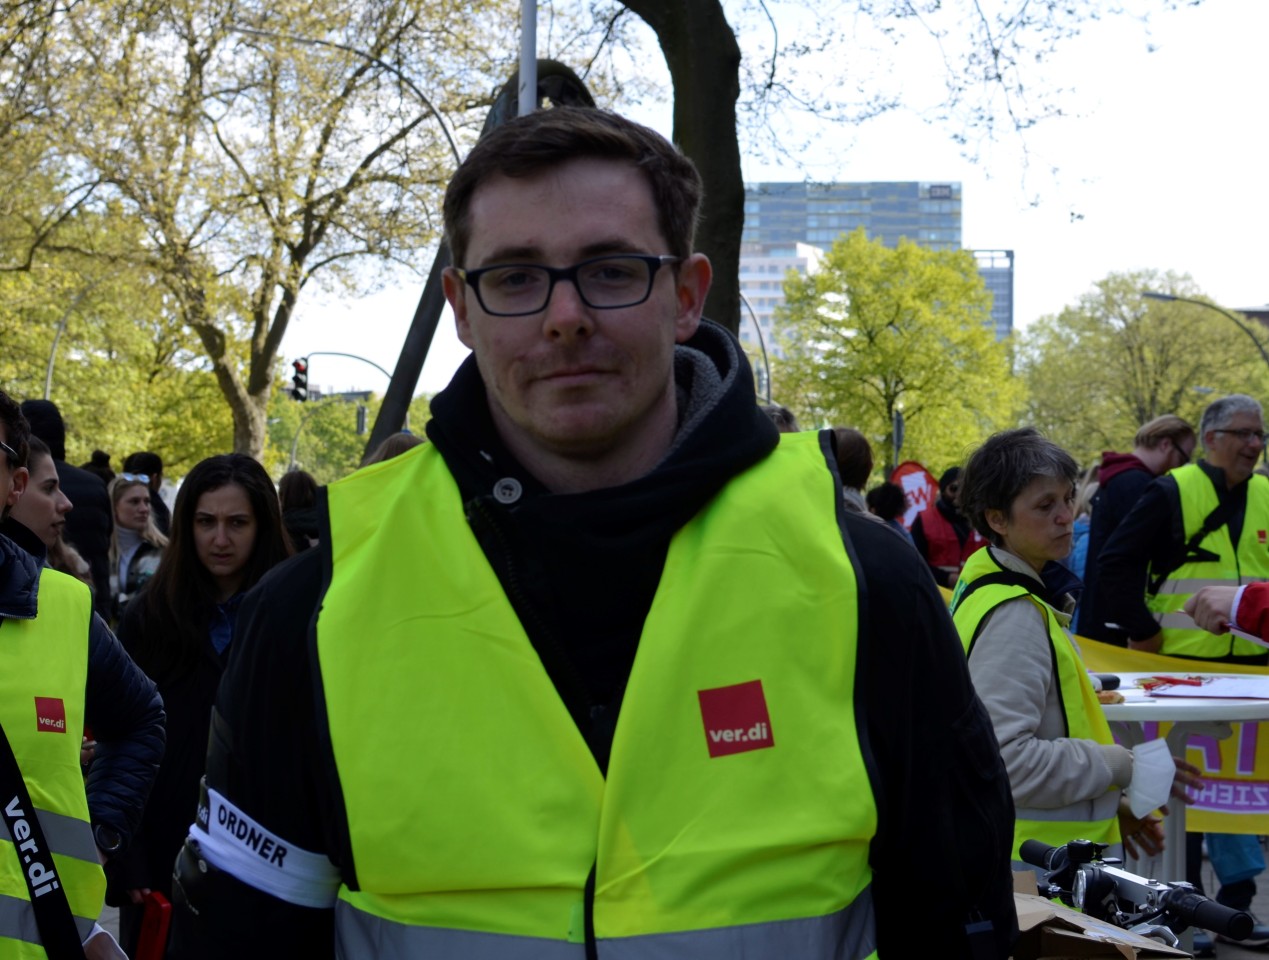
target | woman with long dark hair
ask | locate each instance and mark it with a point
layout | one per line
(226, 534)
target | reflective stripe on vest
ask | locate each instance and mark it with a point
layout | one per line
(1094, 819)
(364, 935)
(42, 711)
(1246, 564)
(736, 795)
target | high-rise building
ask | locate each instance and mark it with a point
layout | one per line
(996, 268)
(784, 220)
(818, 213)
(763, 267)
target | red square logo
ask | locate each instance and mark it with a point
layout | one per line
(50, 715)
(736, 719)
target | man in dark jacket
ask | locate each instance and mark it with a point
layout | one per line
(614, 506)
(89, 525)
(1163, 444)
(943, 535)
(120, 705)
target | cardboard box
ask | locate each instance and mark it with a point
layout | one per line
(1052, 931)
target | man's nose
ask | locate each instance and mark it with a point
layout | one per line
(566, 314)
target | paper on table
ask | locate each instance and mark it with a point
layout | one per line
(1247, 688)
(1248, 636)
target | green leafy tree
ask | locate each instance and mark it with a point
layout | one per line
(321, 436)
(1114, 360)
(263, 146)
(878, 331)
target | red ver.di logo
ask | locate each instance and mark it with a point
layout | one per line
(50, 715)
(736, 719)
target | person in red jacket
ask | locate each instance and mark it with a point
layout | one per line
(942, 535)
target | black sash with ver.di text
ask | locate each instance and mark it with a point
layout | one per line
(53, 917)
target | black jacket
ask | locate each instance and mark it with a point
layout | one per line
(581, 571)
(1112, 502)
(121, 705)
(88, 526)
(188, 695)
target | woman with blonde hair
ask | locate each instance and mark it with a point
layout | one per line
(136, 545)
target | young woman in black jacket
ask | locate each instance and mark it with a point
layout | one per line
(226, 534)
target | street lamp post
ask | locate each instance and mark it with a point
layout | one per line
(1173, 298)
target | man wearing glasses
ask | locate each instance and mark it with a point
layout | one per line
(1163, 444)
(604, 669)
(1205, 521)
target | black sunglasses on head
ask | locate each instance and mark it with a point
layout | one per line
(10, 453)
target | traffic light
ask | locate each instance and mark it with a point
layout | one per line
(300, 379)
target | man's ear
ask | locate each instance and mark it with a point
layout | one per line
(17, 485)
(691, 286)
(455, 288)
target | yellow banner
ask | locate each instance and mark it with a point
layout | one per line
(1235, 795)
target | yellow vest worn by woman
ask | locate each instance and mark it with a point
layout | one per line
(737, 811)
(43, 671)
(1246, 563)
(985, 585)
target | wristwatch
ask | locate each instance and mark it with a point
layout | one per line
(109, 840)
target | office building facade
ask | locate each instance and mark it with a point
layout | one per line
(785, 221)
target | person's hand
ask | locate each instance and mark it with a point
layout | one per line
(1187, 777)
(1210, 608)
(1148, 645)
(137, 894)
(1143, 837)
(87, 750)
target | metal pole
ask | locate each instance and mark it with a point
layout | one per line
(528, 57)
(350, 356)
(762, 345)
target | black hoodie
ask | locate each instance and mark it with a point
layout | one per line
(580, 570)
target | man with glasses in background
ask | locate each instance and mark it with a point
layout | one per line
(592, 672)
(1163, 444)
(943, 535)
(1205, 523)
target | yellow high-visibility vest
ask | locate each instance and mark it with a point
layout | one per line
(42, 678)
(1096, 819)
(737, 810)
(1248, 562)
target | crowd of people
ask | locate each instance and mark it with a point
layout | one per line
(619, 663)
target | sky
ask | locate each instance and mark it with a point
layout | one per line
(1161, 163)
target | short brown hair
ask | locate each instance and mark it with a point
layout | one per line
(17, 430)
(854, 457)
(547, 138)
(1167, 427)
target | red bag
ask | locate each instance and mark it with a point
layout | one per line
(155, 921)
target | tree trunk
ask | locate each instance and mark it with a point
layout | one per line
(704, 60)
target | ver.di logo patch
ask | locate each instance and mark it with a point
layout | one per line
(50, 715)
(736, 719)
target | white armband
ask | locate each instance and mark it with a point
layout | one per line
(232, 841)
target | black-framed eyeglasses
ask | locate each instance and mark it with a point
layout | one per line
(136, 477)
(1245, 434)
(10, 453)
(602, 283)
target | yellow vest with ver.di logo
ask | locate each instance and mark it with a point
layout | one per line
(975, 597)
(737, 811)
(43, 672)
(1248, 562)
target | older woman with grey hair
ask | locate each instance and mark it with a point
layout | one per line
(1012, 607)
